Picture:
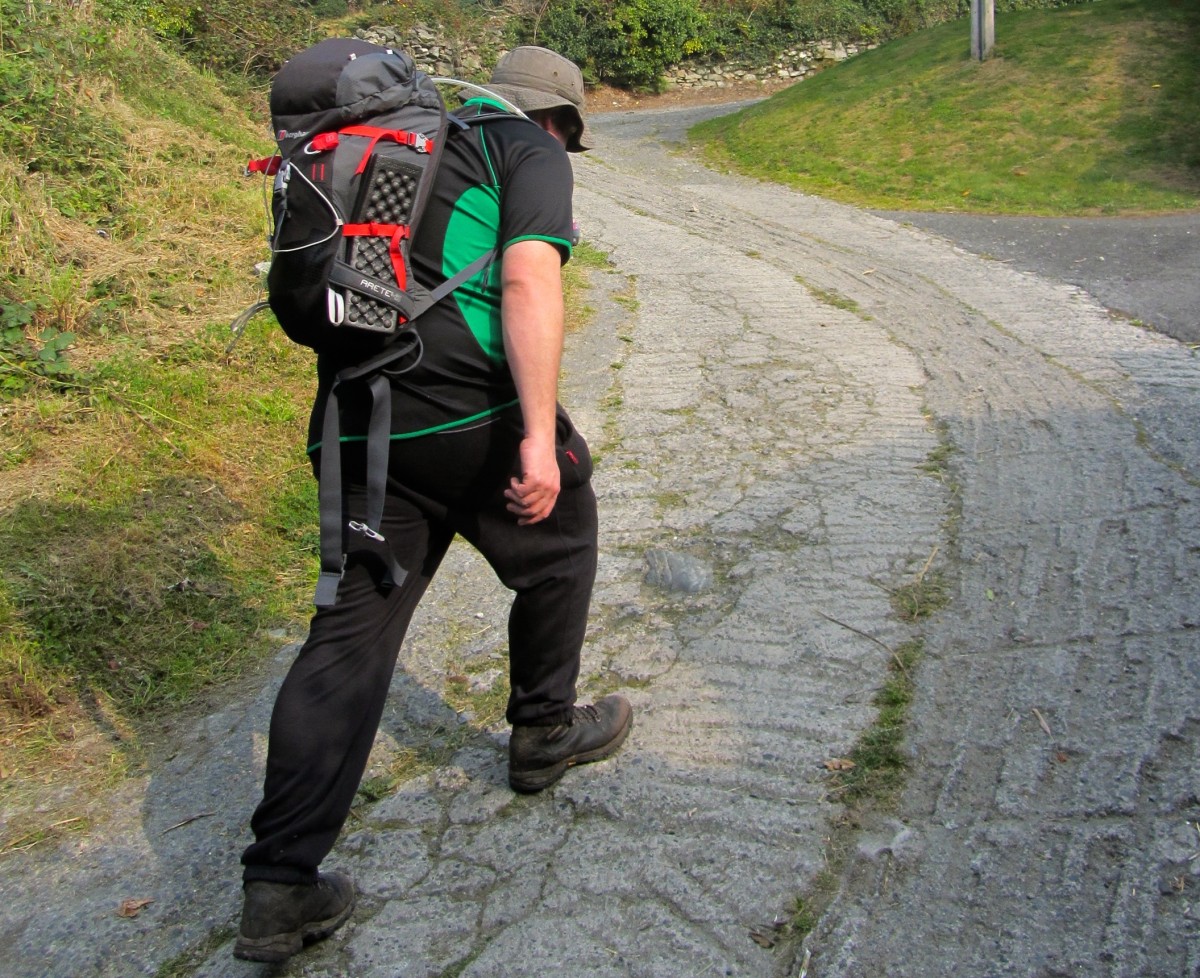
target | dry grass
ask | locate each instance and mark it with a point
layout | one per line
(112, 472)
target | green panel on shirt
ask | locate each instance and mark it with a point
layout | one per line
(470, 232)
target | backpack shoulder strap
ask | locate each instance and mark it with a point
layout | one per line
(459, 124)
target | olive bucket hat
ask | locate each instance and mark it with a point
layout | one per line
(534, 78)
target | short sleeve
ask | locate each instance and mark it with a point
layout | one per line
(535, 201)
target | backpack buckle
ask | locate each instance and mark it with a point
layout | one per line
(366, 531)
(322, 142)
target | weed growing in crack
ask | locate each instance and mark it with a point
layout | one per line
(921, 598)
(834, 298)
(869, 784)
(878, 759)
(925, 595)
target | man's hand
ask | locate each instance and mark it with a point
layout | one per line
(532, 497)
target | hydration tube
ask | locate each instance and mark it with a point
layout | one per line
(486, 92)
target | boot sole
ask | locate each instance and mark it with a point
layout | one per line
(279, 947)
(539, 779)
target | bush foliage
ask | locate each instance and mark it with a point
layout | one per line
(633, 42)
(628, 43)
(251, 38)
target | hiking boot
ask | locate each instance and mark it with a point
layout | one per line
(539, 756)
(278, 919)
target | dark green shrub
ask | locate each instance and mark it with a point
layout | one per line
(627, 42)
(753, 29)
(652, 36)
(576, 29)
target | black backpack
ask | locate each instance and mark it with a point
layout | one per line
(360, 132)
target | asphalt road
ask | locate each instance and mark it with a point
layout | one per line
(1143, 268)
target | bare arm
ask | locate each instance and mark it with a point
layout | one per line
(531, 308)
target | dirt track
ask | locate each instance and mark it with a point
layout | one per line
(1051, 821)
(769, 382)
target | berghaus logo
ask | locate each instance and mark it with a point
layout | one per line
(285, 134)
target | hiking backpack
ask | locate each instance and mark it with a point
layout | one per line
(360, 132)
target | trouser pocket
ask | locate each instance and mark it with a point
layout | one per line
(574, 457)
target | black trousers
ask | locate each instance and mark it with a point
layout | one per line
(329, 706)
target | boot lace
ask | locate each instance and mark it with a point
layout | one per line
(585, 714)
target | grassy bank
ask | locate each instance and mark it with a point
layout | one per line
(156, 514)
(1092, 109)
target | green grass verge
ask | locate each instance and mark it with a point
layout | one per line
(1089, 109)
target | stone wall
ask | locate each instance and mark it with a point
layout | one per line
(435, 55)
(793, 64)
(472, 60)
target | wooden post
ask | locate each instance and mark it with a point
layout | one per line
(983, 28)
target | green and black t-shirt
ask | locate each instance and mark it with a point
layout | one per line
(499, 182)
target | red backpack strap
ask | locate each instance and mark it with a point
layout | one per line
(268, 165)
(417, 140)
(395, 232)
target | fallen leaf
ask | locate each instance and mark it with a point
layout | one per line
(131, 908)
(761, 939)
(840, 764)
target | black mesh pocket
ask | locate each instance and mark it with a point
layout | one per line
(387, 196)
(372, 256)
(388, 191)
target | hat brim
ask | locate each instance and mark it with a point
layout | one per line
(533, 100)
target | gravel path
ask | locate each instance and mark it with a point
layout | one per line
(767, 380)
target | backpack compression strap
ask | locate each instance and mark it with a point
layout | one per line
(329, 494)
(329, 491)
(417, 140)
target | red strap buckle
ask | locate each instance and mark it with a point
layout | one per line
(322, 142)
(417, 140)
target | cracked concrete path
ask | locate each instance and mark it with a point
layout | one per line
(766, 382)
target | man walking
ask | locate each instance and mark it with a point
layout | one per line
(480, 448)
